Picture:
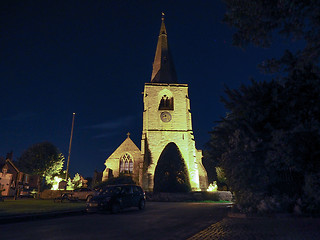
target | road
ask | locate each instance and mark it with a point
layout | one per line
(160, 220)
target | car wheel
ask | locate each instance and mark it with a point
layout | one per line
(115, 208)
(89, 198)
(142, 204)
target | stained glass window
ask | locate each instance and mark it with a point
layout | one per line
(121, 165)
(130, 166)
(126, 163)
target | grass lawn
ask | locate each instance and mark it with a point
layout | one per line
(220, 201)
(211, 201)
(34, 206)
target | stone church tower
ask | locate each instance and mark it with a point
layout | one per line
(166, 121)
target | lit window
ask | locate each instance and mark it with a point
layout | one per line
(121, 165)
(126, 166)
(126, 163)
(131, 166)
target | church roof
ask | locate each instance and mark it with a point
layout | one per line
(163, 68)
(126, 146)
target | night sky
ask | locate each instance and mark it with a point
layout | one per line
(93, 58)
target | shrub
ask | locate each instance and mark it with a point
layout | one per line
(122, 179)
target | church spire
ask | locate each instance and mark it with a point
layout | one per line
(163, 69)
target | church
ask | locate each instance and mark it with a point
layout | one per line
(166, 125)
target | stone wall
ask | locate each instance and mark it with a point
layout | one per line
(52, 194)
(113, 162)
(192, 196)
(178, 130)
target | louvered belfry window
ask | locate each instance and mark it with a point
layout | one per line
(166, 103)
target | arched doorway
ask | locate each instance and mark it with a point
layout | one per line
(171, 174)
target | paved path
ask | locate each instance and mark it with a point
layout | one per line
(262, 228)
(192, 221)
(159, 220)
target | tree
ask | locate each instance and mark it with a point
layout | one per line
(214, 149)
(89, 183)
(121, 179)
(241, 138)
(42, 159)
(55, 170)
(171, 174)
(268, 143)
(221, 176)
(260, 21)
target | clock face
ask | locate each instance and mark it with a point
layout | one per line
(165, 117)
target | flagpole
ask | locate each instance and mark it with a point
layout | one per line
(70, 147)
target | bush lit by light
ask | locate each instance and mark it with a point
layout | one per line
(77, 182)
(213, 187)
(55, 183)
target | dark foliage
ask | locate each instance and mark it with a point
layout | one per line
(89, 183)
(210, 166)
(171, 174)
(259, 21)
(269, 142)
(122, 179)
(41, 159)
(38, 158)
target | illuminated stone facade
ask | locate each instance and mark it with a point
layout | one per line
(166, 119)
(126, 159)
(159, 131)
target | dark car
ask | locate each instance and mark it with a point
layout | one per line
(117, 197)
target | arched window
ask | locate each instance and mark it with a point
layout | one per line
(130, 165)
(166, 103)
(121, 165)
(126, 163)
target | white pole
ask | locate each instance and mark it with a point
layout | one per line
(70, 147)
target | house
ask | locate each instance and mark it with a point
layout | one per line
(12, 179)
